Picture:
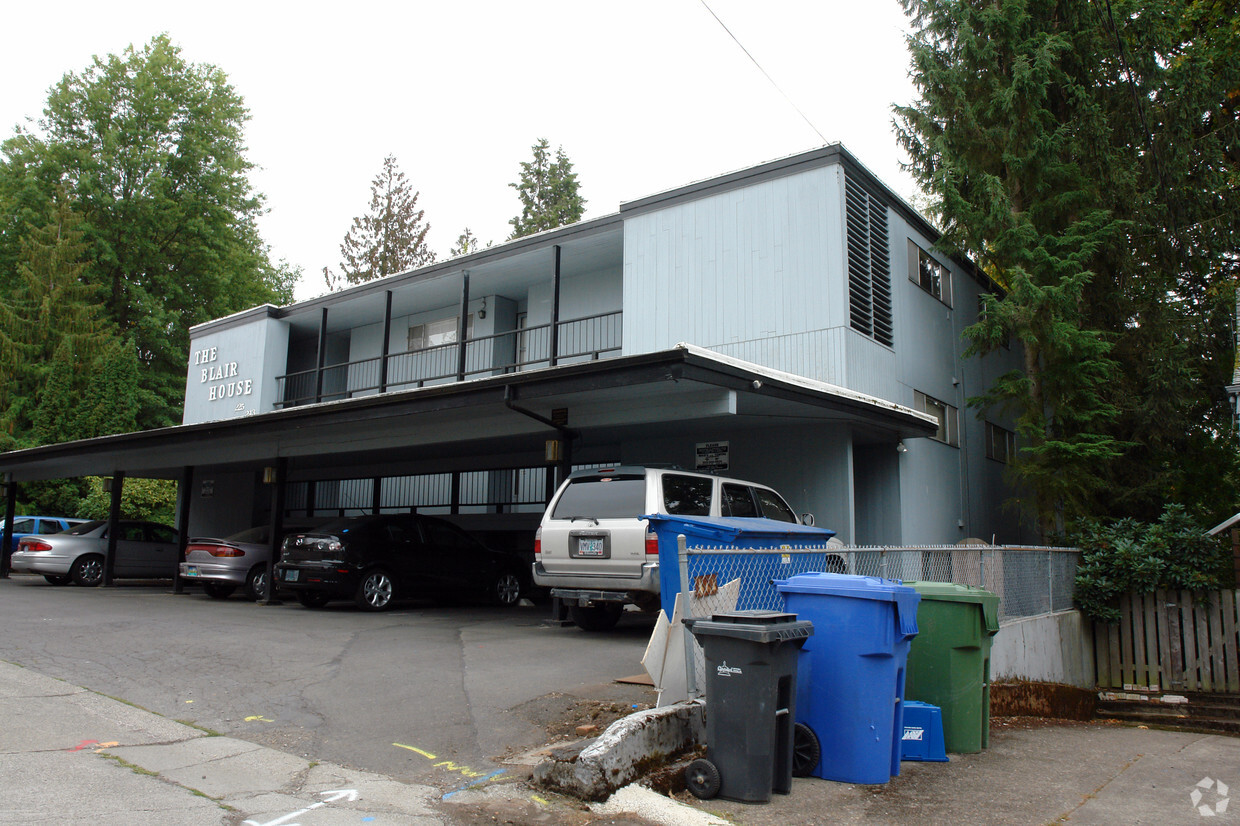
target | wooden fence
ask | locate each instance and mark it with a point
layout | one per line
(1171, 641)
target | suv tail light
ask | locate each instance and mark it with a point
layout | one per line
(652, 543)
(538, 541)
(33, 545)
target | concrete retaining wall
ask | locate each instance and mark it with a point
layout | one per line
(1053, 648)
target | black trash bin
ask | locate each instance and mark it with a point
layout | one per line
(751, 690)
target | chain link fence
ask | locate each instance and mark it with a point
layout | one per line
(1029, 581)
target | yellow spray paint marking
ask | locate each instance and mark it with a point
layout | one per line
(425, 754)
(105, 746)
(258, 717)
(541, 800)
(453, 767)
(187, 702)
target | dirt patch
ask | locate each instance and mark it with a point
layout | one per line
(1026, 699)
(560, 715)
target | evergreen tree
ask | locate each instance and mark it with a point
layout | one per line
(548, 191)
(466, 243)
(1088, 162)
(49, 306)
(112, 398)
(390, 238)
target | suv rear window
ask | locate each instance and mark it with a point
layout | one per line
(603, 497)
(686, 495)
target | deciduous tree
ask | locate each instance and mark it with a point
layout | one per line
(150, 149)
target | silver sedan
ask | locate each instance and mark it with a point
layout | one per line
(143, 549)
(224, 565)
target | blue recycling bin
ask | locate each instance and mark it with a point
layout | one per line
(923, 733)
(800, 546)
(850, 692)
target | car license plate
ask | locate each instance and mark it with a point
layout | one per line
(291, 576)
(191, 570)
(591, 546)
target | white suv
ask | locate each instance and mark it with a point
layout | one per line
(596, 554)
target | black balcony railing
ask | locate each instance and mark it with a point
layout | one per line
(579, 339)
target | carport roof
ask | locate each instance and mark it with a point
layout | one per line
(473, 424)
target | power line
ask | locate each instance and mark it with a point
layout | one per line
(791, 102)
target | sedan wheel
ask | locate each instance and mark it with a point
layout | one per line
(507, 589)
(87, 570)
(376, 591)
(256, 583)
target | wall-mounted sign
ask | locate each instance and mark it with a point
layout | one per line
(208, 488)
(711, 456)
(220, 376)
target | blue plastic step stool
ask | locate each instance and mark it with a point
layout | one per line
(923, 733)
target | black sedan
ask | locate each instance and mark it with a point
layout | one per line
(375, 560)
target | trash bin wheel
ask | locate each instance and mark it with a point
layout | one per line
(806, 751)
(702, 778)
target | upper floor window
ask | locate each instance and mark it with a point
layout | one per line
(929, 274)
(1000, 444)
(437, 333)
(948, 416)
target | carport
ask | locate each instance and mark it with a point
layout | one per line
(548, 419)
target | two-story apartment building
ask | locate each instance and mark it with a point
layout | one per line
(789, 323)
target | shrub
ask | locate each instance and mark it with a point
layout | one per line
(1128, 555)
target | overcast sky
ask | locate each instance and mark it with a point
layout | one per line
(643, 95)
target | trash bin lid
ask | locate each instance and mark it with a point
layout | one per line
(726, 529)
(955, 592)
(859, 587)
(754, 625)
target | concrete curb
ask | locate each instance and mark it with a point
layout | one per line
(628, 749)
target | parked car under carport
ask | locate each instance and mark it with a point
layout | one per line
(222, 566)
(376, 560)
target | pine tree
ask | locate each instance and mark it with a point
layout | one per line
(1089, 167)
(466, 243)
(390, 238)
(549, 192)
(49, 307)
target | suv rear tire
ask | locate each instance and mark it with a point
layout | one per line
(597, 617)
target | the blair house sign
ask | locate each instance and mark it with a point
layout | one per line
(222, 378)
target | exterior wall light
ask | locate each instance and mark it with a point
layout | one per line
(900, 448)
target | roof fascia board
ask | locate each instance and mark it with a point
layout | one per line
(646, 368)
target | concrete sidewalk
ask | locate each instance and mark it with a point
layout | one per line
(1034, 772)
(68, 755)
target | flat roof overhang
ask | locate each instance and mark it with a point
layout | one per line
(470, 424)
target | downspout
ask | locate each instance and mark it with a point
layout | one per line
(567, 434)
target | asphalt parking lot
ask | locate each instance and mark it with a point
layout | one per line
(422, 710)
(471, 684)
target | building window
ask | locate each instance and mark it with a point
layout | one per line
(948, 416)
(437, 333)
(1000, 444)
(869, 263)
(929, 274)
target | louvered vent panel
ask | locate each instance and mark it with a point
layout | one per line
(869, 263)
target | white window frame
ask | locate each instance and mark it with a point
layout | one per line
(929, 273)
(437, 333)
(947, 414)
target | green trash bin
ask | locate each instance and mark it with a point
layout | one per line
(949, 660)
